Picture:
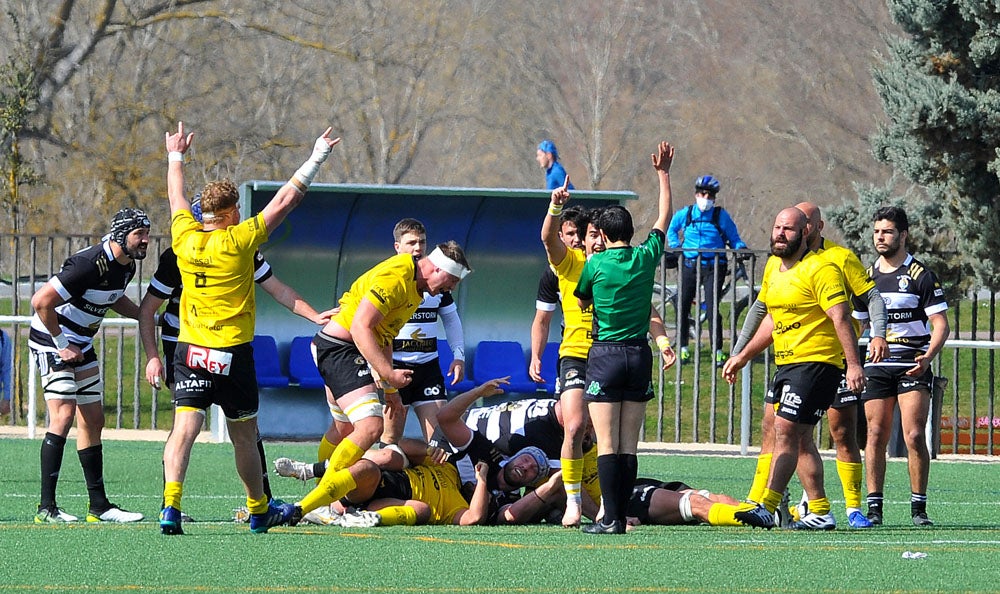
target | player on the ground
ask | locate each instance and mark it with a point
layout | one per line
(354, 350)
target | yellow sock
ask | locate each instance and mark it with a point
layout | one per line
(345, 454)
(332, 487)
(591, 482)
(850, 474)
(760, 478)
(257, 506)
(326, 448)
(172, 493)
(721, 514)
(398, 515)
(772, 499)
(572, 476)
(819, 506)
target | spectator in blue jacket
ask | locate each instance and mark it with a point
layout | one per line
(6, 372)
(703, 225)
(548, 159)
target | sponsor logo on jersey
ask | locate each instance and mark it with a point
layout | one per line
(192, 385)
(216, 362)
(789, 398)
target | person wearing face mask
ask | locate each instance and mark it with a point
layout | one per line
(700, 226)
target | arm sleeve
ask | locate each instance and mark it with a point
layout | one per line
(876, 312)
(453, 329)
(755, 315)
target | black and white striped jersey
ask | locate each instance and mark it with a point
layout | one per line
(518, 424)
(911, 293)
(90, 281)
(416, 342)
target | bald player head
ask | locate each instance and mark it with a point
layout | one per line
(814, 231)
(788, 234)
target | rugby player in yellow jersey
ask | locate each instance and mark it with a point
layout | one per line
(843, 414)
(469, 489)
(213, 363)
(576, 339)
(354, 351)
(810, 325)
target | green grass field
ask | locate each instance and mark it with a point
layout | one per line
(218, 556)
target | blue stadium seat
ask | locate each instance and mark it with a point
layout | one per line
(301, 367)
(498, 358)
(550, 366)
(445, 357)
(266, 362)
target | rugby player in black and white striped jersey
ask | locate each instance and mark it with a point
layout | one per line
(69, 309)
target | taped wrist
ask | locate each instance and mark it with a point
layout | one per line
(304, 176)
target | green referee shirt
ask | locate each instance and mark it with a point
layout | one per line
(620, 282)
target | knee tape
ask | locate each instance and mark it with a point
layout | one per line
(90, 390)
(366, 406)
(705, 493)
(685, 507)
(337, 413)
(59, 385)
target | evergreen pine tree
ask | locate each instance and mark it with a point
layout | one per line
(940, 88)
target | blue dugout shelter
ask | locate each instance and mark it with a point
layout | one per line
(341, 230)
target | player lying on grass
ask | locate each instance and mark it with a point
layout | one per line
(510, 426)
(652, 502)
(444, 494)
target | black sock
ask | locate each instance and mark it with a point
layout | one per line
(875, 502)
(607, 474)
(918, 503)
(319, 469)
(628, 469)
(263, 468)
(92, 461)
(51, 458)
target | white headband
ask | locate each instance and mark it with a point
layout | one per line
(445, 263)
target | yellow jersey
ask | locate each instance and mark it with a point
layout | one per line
(797, 300)
(391, 286)
(217, 305)
(577, 334)
(439, 488)
(856, 277)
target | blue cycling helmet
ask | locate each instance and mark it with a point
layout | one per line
(707, 183)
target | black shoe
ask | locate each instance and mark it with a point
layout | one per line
(921, 519)
(875, 517)
(296, 516)
(615, 527)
